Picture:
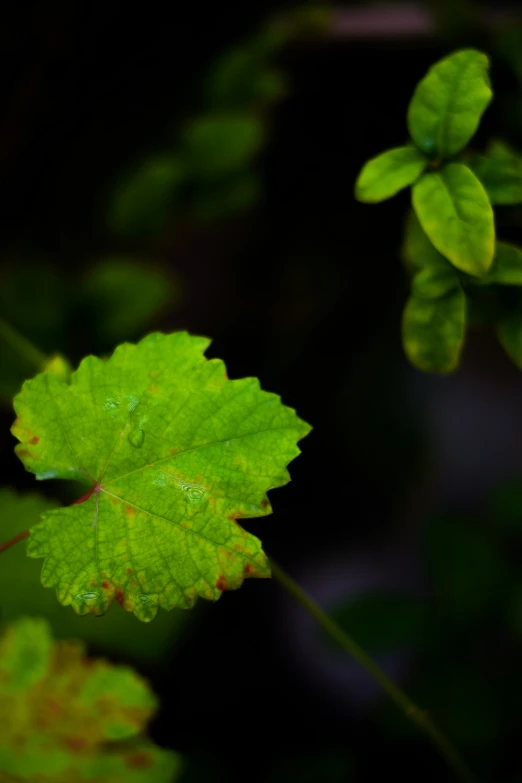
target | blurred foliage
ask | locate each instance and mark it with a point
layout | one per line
(117, 297)
(66, 717)
(461, 631)
(209, 172)
(307, 767)
(22, 593)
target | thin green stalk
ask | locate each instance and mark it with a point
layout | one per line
(414, 713)
(22, 345)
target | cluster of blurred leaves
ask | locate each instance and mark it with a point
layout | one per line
(67, 717)
(461, 631)
(113, 299)
(209, 171)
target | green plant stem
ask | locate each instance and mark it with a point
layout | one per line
(412, 712)
(22, 345)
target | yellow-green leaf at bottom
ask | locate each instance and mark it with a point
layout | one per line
(454, 210)
(66, 717)
(173, 454)
(433, 331)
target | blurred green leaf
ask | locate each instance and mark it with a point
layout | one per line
(434, 282)
(220, 144)
(244, 77)
(454, 211)
(417, 250)
(145, 199)
(122, 295)
(388, 173)
(500, 171)
(226, 196)
(64, 717)
(433, 331)
(469, 569)
(506, 268)
(21, 592)
(448, 103)
(382, 622)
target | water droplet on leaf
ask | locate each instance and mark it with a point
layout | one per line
(89, 597)
(195, 493)
(111, 405)
(136, 437)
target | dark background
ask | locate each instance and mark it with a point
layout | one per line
(305, 291)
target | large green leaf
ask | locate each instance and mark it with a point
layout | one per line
(21, 593)
(454, 211)
(433, 330)
(388, 173)
(500, 171)
(65, 717)
(448, 103)
(173, 454)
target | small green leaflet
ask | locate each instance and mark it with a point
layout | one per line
(388, 173)
(454, 211)
(448, 103)
(173, 453)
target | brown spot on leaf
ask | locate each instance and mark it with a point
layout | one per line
(264, 502)
(130, 511)
(119, 596)
(105, 585)
(221, 583)
(128, 570)
(249, 569)
(140, 760)
(153, 389)
(93, 584)
(153, 373)
(34, 440)
(172, 451)
(75, 743)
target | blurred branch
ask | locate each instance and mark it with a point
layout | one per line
(21, 345)
(419, 717)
